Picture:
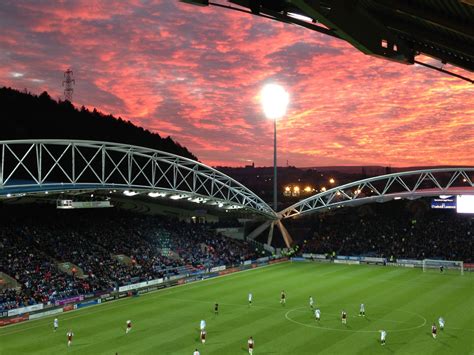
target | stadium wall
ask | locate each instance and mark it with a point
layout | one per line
(355, 260)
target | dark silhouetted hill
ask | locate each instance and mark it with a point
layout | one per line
(26, 116)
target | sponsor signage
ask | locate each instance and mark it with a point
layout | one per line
(443, 203)
(107, 298)
(68, 308)
(46, 313)
(192, 279)
(278, 260)
(369, 259)
(208, 276)
(314, 256)
(228, 271)
(155, 282)
(69, 300)
(16, 311)
(14, 320)
(410, 261)
(297, 258)
(401, 265)
(88, 303)
(349, 262)
(139, 285)
(219, 268)
(247, 262)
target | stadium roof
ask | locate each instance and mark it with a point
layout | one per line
(54, 166)
(402, 185)
(398, 30)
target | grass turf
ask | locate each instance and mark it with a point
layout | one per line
(404, 302)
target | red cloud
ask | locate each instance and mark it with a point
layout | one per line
(195, 73)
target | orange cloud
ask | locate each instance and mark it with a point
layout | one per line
(195, 73)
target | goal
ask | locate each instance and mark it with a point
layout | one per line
(432, 264)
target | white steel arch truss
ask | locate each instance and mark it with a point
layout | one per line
(407, 184)
(29, 166)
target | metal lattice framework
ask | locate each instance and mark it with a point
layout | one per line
(33, 166)
(408, 185)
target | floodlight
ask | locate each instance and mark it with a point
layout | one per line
(274, 101)
(156, 194)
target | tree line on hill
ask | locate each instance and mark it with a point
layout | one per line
(27, 116)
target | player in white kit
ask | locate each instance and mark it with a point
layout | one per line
(250, 299)
(383, 334)
(311, 302)
(362, 310)
(55, 324)
(128, 327)
(196, 352)
(441, 323)
(317, 314)
(202, 325)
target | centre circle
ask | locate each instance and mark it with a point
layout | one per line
(333, 316)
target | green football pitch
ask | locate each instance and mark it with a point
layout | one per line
(404, 302)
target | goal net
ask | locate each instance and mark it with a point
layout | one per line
(443, 266)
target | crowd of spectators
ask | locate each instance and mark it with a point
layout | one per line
(106, 248)
(397, 232)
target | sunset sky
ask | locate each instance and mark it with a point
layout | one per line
(195, 74)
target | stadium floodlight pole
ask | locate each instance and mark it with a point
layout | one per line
(274, 101)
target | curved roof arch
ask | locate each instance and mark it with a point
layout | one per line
(407, 185)
(31, 166)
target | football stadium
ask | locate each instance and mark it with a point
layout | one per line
(116, 240)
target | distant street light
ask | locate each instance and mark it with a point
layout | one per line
(274, 102)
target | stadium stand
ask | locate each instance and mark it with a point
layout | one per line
(34, 243)
(394, 232)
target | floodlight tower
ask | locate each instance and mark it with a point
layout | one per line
(274, 102)
(68, 82)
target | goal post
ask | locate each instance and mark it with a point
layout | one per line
(433, 264)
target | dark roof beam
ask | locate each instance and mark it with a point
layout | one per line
(353, 24)
(427, 16)
(444, 56)
(411, 31)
